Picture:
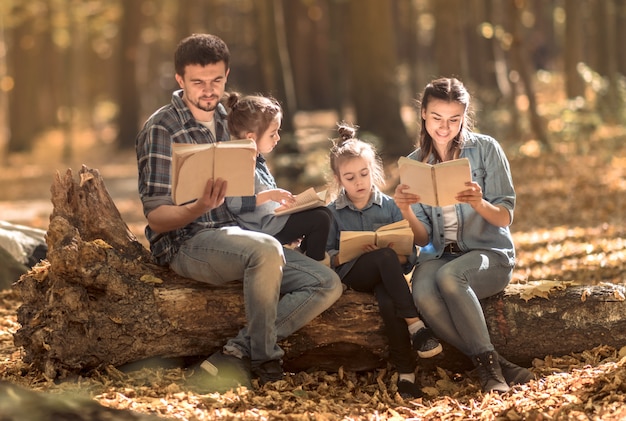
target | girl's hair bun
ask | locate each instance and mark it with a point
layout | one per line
(346, 133)
(232, 99)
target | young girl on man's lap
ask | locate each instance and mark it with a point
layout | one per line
(259, 118)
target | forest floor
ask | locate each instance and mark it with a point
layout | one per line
(569, 227)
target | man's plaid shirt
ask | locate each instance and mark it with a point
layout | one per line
(173, 123)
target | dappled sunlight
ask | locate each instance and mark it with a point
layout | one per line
(582, 255)
(568, 229)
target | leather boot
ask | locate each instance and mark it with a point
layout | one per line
(490, 373)
(514, 374)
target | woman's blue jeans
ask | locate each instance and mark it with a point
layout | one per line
(446, 292)
(283, 290)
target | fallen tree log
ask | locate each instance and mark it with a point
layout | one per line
(99, 300)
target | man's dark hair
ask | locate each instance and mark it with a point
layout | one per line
(200, 49)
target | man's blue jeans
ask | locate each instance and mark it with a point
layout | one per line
(446, 292)
(283, 290)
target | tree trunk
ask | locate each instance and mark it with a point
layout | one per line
(373, 64)
(574, 49)
(99, 300)
(521, 64)
(620, 34)
(127, 95)
(610, 101)
(311, 45)
(449, 33)
(25, 117)
(479, 55)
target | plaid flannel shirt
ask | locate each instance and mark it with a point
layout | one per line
(173, 123)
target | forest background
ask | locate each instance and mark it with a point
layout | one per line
(78, 78)
(548, 79)
(106, 65)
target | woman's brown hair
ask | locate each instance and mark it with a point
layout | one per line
(450, 90)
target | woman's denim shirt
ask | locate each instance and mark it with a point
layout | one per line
(380, 210)
(490, 169)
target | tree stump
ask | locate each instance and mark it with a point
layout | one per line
(99, 300)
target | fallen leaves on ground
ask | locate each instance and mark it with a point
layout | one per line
(587, 385)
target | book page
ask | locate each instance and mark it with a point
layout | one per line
(394, 226)
(236, 166)
(418, 176)
(399, 234)
(451, 177)
(401, 240)
(352, 243)
(308, 199)
(194, 164)
(190, 172)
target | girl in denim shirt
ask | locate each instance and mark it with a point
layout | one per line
(467, 250)
(258, 117)
(361, 206)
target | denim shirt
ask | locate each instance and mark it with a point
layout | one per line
(380, 210)
(490, 169)
(259, 218)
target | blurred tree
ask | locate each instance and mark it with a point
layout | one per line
(338, 55)
(609, 101)
(573, 54)
(372, 67)
(620, 16)
(538, 21)
(72, 77)
(128, 94)
(451, 49)
(480, 54)
(522, 65)
(275, 69)
(106, 57)
(31, 103)
(494, 29)
(406, 18)
(308, 28)
(284, 63)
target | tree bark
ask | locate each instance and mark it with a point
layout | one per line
(372, 63)
(128, 96)
(521, 60)
(448, 31)
(574, 49)
(99, 300)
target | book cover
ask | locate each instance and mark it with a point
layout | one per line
(437, 185)
(195, 164)
(398, 234)
(308, 199)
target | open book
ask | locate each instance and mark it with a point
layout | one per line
(398, 234)
(438, 184)
(194, 164)
(308, 199)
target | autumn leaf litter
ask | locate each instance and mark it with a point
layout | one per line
(568, 387)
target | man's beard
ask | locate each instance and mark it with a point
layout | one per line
(208, 107)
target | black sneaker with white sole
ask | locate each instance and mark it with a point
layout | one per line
(425, 343)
